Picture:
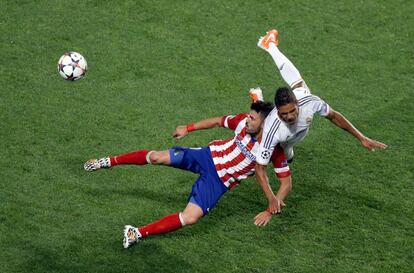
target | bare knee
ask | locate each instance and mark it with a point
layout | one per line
(190, 219)
(158, 158)
(154, 157)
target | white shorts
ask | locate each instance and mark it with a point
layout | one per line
(288, 151)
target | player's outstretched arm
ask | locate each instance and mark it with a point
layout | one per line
(263, 218)
(284, 189)
(339, 120)
(275, 204)
(182, 130)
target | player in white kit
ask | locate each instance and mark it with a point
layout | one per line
(289, 122)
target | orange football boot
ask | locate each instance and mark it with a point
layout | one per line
(270, 37)
(256, 94)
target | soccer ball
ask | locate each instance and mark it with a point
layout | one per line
(72, 66)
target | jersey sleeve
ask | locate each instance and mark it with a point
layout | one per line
(320, 106)
(269, 141)
(232, 122)
(280, 164)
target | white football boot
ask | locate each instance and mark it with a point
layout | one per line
(96, 164)
(131, 236)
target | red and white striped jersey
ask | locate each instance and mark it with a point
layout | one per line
(235, 158)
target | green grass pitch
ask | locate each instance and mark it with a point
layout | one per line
(154, 65)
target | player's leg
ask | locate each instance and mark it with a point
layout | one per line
(288, 71)
(191, 214)
(206, 192)
(166, 224)
(139, 157)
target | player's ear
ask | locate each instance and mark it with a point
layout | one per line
(261, 120)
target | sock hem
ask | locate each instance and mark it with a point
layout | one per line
(181, 219)
(147, 157)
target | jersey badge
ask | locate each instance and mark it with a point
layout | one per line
(266, 154)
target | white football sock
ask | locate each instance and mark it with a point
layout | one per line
(287, 70)
(181, 219)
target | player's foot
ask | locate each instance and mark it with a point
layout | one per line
(256, 94)
(270, 37)
(96, 164)
(131, 236)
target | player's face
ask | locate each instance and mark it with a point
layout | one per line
(289, 113)
(254, 123)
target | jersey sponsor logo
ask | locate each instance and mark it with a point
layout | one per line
(244, 149)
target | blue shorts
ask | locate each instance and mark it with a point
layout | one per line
(208, 188)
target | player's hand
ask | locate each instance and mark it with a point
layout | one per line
(372, 144)
(275, 205)
(262, 218)
(180, 132)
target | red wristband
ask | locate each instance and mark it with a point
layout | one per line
(190, 127)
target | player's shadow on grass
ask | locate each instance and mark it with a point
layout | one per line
(149, 256)
(238, 205)
(168, 194)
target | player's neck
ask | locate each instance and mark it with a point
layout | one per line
(257, 135)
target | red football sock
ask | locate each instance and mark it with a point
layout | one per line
(164, 225)
(136, 158)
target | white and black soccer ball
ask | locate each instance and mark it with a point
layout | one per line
(72, 66)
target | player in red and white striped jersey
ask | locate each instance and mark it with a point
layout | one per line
(235, 157)
(221, 166)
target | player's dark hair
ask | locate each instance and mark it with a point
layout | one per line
(262, 107)
(284, 95)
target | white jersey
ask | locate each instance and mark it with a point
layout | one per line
(278, 132)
